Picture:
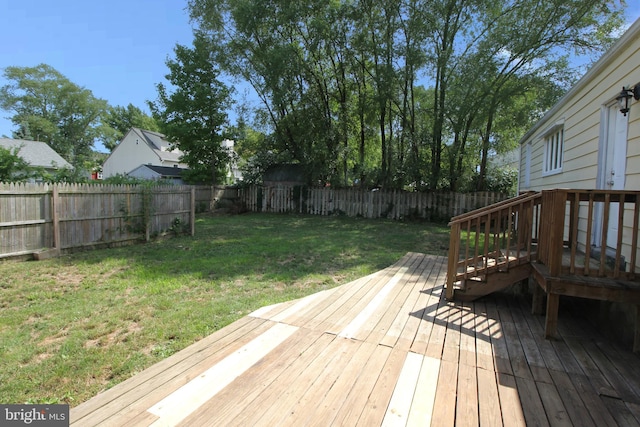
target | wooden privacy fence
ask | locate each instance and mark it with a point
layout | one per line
(394, 204)
(37, 217)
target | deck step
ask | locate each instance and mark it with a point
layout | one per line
(475, 288)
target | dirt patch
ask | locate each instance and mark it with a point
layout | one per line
(114, 337)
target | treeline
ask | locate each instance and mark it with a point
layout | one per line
(400, 92)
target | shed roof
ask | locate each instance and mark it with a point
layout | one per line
(166, 171)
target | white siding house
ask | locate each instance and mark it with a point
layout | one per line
(141, 147)
(584, 141)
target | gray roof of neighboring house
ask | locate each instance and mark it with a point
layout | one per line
(36, 153)
(157, 141)
(166, 170)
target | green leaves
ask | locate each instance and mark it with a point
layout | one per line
(48, 107)
(12, 167)
(116, 122)
(194, 115)
(343, 83)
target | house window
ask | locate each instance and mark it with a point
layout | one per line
(553, 151)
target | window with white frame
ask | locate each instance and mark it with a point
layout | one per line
(553, 150)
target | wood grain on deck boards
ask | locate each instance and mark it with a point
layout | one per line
(555, 410)
(398, 409)
(512, 411)
(408, 305)
(233, 400)
(425, 393)
(369, 316)
(488, 400)
(444, 408)
(467, 402)
(574, 405)
(386, 349)
(281, 392)
(131, 395)
(356, 399)
(429, 303)
(404, 330)
(182, 402)
(375, 407)
(328, 409)
(381, 324)
(351, 307)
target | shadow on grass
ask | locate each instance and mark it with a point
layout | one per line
(275, 248)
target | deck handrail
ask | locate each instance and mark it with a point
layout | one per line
(504, 235)
(495, 206)
(576, 223)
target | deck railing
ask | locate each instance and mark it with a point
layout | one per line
(589, 232)
(494, 238)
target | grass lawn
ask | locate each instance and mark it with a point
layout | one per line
(73, 326)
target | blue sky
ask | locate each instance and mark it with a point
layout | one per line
(117, 49)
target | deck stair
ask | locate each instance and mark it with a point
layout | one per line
(492, 248)
(578, 243)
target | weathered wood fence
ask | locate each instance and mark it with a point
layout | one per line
(394, 204)
(38, 217)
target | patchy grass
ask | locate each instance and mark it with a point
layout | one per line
(73, 326)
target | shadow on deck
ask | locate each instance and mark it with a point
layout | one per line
(385, 349)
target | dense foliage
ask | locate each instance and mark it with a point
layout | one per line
(402, 92)
(12, 166)
(194, 114)
(49, 107)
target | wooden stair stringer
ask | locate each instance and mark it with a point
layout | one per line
(492, 282)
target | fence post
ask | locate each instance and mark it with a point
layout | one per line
(55, 216)
(193, 211)
(454, 251)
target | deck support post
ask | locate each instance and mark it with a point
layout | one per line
(538, 299)
(551, 320)
(636, 336)
(454, 253)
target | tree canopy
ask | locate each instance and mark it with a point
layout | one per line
(49, 107)
(116, 122)
(402, 92)
(194, 114)
(12, 166)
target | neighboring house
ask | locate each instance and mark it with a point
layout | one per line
(141, 147)
(37, 154)
(233, 170)
(169, 174)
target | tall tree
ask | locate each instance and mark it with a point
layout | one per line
(194, 115)
(117, 121)
(50, 108)
(341, 80)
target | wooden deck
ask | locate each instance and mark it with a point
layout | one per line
(386, 349)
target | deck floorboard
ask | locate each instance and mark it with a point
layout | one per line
(386, 349)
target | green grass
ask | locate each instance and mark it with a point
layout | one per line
(75, 325)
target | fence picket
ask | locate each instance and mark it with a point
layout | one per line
(87, 215)
(83, 214)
